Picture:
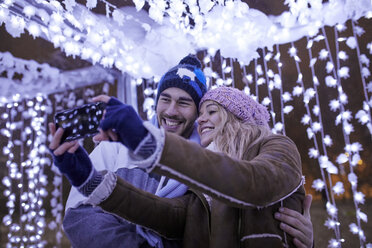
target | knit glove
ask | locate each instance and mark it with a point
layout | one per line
(75, 166)
(125, 121)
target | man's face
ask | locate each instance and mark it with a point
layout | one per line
(176, 111)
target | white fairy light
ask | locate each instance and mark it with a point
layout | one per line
(287, 109)
(318, 184)
(29, 11)
(312, 62)
(86, 53)
(342, 158)
(334, 105)
(355, 159)
(354, 228)
(343, 72)
(55, 29)
(348, 128)
(292, 51)
(359, 31)
(34, 30)
(57, 17)
(353, 179)
(286, 96)
(327, 140)
(313, 153)
(67, 32)
(359, 197)
(364, 60)
(362, 117)
(3, 15)
(260, 81)
(297, 91)
(328, 165)
(369, 46)
(299, 78)
(331, 224)
(17, 22)
(329, 67)
(365, 72)
(309, 94)
(362, 216)
(323, 54)
(278, 126)
(316, 110)
(331, 209)
(146, 69)
(341, 27)
(338, 188)
(316, 127)
(228, 82)
(266, 101)
(354, 147)
(342, 55)
(333, 243)
(71, 48)
(305, 119)
(346, 115)
(96, 56)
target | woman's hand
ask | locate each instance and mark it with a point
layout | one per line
(297, 225)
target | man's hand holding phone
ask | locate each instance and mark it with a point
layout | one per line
(120, 123)
(71, 159)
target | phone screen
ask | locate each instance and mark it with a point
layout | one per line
(80, 122)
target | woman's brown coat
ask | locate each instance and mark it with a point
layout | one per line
(245, 194)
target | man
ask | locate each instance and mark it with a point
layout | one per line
(179, 94)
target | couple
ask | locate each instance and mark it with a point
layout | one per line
(229, 195)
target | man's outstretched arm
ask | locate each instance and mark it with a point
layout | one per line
(297, 225)
(84, 224)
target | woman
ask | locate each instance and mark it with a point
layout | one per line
(234, 191)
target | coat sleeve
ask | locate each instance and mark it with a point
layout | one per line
(272, 175)
(165, 216)
(83, 223)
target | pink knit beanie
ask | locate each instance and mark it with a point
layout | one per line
(239, 104)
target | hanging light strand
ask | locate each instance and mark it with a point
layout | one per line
(339, 75)
(279, 68)
(312, 130)
(366, 108)
(270, 87)
(335, 224)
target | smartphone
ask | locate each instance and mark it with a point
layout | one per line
(80, 122)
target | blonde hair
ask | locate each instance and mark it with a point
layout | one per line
(234, 136)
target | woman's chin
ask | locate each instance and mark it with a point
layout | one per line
(206, 139)
(205, 143)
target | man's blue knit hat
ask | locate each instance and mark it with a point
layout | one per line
(188, 76)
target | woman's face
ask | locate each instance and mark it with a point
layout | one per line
(208, 122)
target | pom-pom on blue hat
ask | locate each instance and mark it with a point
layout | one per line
(188, 76)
